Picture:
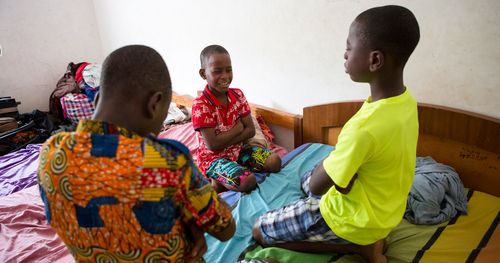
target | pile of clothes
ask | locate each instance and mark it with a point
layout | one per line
(72, 99)
(437, 193)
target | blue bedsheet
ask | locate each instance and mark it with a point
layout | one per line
(274, 190)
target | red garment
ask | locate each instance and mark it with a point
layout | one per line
(208, 112)
(79, 71)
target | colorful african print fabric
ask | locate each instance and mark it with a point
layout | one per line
(232, 174)
(114, 196)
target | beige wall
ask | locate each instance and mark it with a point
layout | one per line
(286, 54)
(39, 39)
(289, 54)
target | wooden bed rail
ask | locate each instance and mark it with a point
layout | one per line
(469, 142)
(271, 116)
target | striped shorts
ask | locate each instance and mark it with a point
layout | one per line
(298, 221)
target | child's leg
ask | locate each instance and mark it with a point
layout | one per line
(304, 183)
(259, 159)
(298, 221)
(273, 163)
(228, 175)
(299, 226)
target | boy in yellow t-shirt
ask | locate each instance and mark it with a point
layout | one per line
(365, 181)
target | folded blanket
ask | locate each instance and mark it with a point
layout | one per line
(437, 193)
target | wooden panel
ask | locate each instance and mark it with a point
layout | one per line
(317, 118)
(276, 117)
(479, 169)
(332, 134)
(297, 131)
(184, 100)
(466, 127)
(271, 116)
(467, 141)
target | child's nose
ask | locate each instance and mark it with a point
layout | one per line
(345, 55)
(226, 75)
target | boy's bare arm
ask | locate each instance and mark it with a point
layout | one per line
(243, 130)
(320, 182)
(227, 233)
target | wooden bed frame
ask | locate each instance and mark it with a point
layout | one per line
(467, 141)
(272, 116)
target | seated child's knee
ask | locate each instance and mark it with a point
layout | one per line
(248, 184)
(273, 163)
(257, 235)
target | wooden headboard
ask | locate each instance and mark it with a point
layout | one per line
(468, 142)
(271, 116)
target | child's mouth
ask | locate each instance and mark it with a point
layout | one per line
(224, 85)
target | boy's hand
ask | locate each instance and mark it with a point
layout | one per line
(200, 244)
(349, 186)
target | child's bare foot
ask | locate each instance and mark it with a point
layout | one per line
(373, 253)
(248, 184)
(273, 163)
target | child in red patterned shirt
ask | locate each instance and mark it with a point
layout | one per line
(221, 117)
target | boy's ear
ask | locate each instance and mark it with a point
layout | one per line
(376, 60)
(154, 104)
(202, 73)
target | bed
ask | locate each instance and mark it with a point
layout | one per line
(469, 142)
(25, 235)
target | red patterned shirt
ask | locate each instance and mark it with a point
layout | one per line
(208, 112)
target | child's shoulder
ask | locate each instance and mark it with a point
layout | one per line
(201, 99)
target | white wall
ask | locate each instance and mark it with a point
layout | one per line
(39, 39)
(289, 54)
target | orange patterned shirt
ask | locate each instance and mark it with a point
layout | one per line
(114, 196)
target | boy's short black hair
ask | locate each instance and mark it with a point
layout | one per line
(208, 51)
(133, 69)
(391, 29)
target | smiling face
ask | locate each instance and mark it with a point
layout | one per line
(218, 72)
(357, 55)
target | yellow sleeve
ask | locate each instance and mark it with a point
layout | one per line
(352, 150)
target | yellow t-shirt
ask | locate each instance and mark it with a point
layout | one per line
(379, 144)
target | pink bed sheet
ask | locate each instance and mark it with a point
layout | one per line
(185, 134)
(25, 235)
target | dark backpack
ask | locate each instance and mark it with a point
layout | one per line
(34, 127)
(65, 85)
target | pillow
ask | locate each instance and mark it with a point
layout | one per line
(265, 129)
(259, 138)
